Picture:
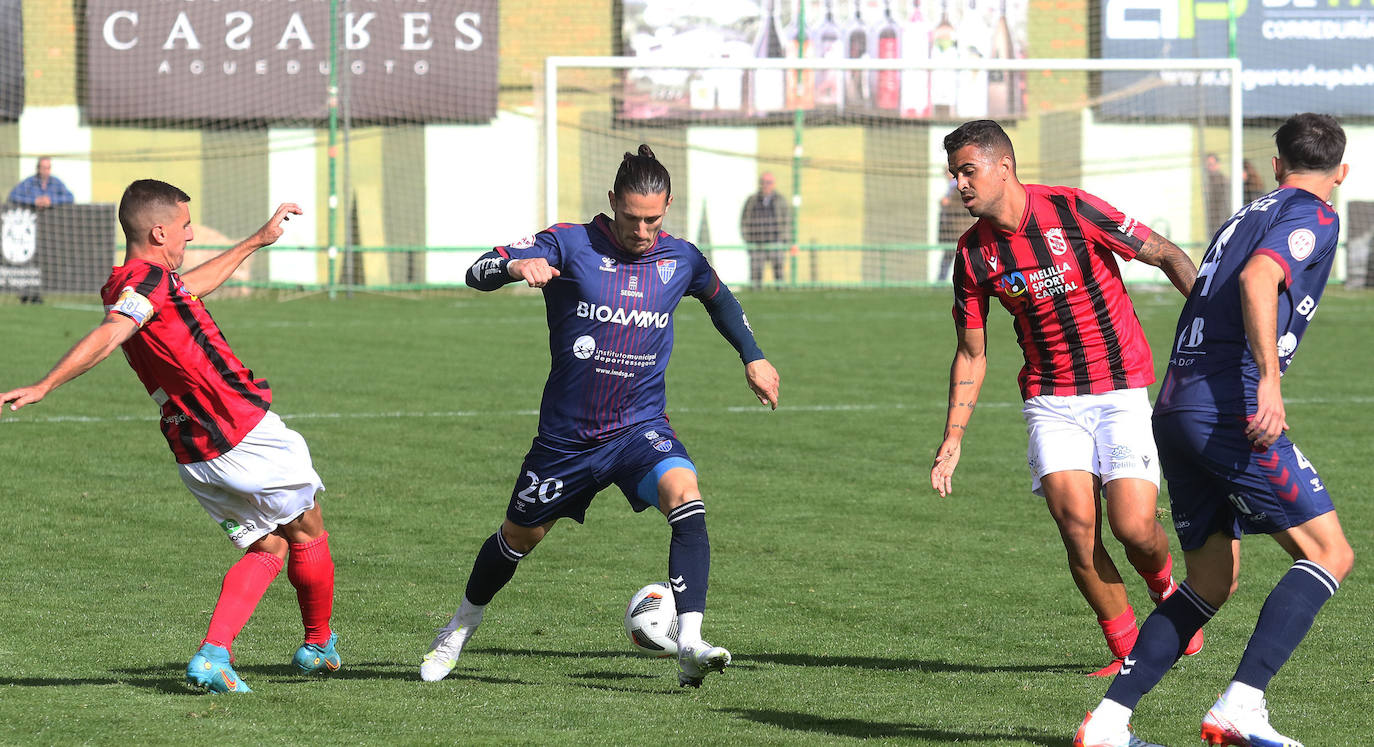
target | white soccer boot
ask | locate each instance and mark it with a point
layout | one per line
(696, 660)
(1086, 737)
(1245, 727)
(443, 653)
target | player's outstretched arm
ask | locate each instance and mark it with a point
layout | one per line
(95, 347)
(205, 278)
(1259, 299)
(1175, 262)
(966, 374)
(763, 379)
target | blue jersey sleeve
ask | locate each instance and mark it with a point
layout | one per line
(1304, 235)
(489, 271)
(726, 313)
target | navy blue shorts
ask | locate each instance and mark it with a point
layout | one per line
(557, 482)
(1217, 483)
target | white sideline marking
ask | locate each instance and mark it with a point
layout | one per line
(398, 414)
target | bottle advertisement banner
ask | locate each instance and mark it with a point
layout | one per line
(899, 30)
(1297, 55)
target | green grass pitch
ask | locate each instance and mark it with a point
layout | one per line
(857, 603)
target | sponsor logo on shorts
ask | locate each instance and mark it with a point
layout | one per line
(1123, 458)
(177, 418)
(1182, 524)
(235, 530)
(651, 435)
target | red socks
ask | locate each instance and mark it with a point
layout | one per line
(244, 584)
(311, 570)
(1159, 580)
(1120, 632)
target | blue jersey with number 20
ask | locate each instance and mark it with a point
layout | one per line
(1210, 367)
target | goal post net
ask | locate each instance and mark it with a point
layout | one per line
(855, 149)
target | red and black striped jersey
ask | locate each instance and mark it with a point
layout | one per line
(209, 399)
(1056, 275)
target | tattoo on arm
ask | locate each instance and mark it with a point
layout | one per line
(965, 382)
(1153, 248)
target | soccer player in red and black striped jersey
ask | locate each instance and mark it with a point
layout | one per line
(1046, 254)
(250, 472)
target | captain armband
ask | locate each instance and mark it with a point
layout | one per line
(134, 305)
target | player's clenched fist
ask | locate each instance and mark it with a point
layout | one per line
(535, 271)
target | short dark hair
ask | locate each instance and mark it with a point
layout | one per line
(984, 133)
(1311, 142)
(141, 196)
(642, 174)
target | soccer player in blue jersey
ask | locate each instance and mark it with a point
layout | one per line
(1220, 421)
(610, 289)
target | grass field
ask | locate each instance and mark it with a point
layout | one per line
(857, 603)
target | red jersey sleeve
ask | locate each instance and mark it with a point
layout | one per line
(138, 294)
(970, 299)
(1106, 225)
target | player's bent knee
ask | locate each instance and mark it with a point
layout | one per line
(271, 544)
(1338, 561)
(676, 487)
(523, 539)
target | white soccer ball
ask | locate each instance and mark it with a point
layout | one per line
(651, 621)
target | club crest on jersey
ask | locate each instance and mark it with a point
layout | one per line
(666, 268)
(607, 265)
(1058, 244)
(1011, 285)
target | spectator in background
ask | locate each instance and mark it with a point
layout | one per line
(766, 224)
(42, 190)
(1216, 193)
(1251, 183)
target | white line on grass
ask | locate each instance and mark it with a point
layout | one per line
(447, 414)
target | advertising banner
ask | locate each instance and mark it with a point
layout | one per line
(900, 30)
(269, 59)
(1298, 55)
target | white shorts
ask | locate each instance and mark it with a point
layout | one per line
(264, 482)
(1109, 435)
